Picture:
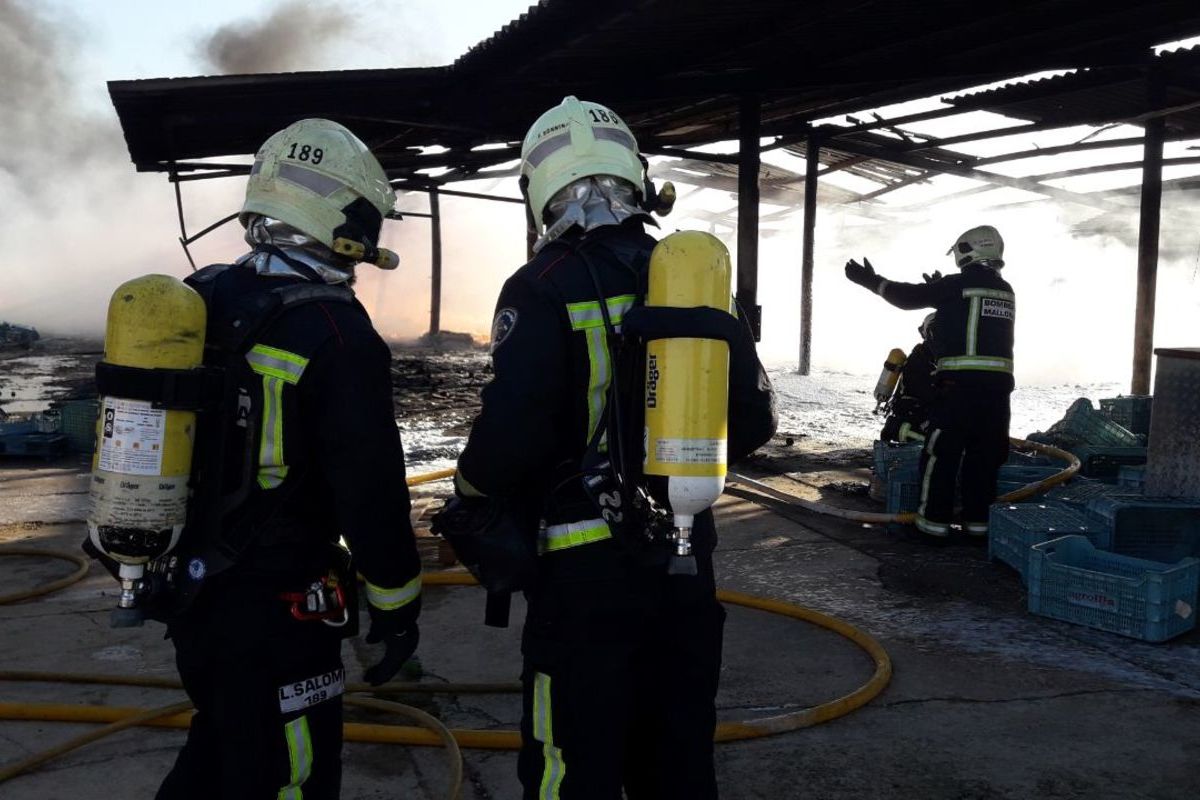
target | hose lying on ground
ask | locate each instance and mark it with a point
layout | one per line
(175, 717)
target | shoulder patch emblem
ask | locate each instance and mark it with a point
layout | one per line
(502, 326)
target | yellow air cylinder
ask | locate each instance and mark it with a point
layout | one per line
(143, 456)
(889, 377)
(687, 386)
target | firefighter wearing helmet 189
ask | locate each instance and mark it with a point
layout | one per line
(973, 341)
(605, 620)
(304, 451)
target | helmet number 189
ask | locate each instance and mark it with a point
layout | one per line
(600, 115)
(306, 153)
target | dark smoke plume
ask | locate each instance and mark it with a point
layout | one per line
(283, 41)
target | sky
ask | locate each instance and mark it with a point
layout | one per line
(79, 219)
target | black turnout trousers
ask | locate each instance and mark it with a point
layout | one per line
(267, 690)
(968, 429)
(621, 665)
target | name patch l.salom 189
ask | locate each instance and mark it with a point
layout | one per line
(502, 326)
(310, 691)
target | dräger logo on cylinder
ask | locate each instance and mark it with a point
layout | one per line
(652, 382)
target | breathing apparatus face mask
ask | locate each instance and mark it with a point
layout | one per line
(265, 234)
(589, 203)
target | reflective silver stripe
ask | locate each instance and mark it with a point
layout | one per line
(266, 360)
(573, 534)
(932, 528)
(271, 469)
(883, 284)
(546, 148)
(973, 327)
(929, 445)
(300, 757)
(907, 434)
(977, 528)
(391, 599)
(615, 135)
(981, 363)
(554, 767)
(994, 294)
(312, 180)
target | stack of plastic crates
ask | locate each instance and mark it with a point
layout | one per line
(1071, 580)
(889, 454)
(1159, 529)
(1131, 412)
(1013, 530)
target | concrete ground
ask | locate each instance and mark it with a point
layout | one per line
(987, 701)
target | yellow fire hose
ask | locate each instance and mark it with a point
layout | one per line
(118, 718)
(434, 733)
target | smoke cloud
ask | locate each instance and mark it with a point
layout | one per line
(283, 41)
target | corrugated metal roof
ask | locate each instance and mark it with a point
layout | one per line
(674, 70)
(1102, 95)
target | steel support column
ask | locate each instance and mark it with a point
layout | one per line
(435, 289)
(749, 161)
(812, 153)
(1147, 264)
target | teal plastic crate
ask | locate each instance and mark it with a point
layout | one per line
(1084, 424)
(1013, 530)
(889, 455)
(1131, 412)
(904, 490)
(1159, 529)
(78, 424)
(1078, 492)
(1132, 476)
(1104, 463)
(1072, 581)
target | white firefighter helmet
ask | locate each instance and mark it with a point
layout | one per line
(978, 245)
(926, 326)
(320, 178)
(574, 140)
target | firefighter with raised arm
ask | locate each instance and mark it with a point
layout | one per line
(622, 641)
(296, 449)
(973, 341)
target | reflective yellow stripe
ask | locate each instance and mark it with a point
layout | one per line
(555, 768)
(587, 314)
(300, 756)
(271, 468)
(979, 363)
(907, 434)
(272, 361)
(587, 317)
(391, 599)
(573, 534)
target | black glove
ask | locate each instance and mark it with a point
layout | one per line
(399, 645)
(936, 275)
(863, 274)
(496, 540)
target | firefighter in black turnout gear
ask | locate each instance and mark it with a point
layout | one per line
(973, 340)
(909, 407)
(621, 659)
(303, 450)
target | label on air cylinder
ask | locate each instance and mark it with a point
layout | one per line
(690, 451)
(132, 436)
(154, 502)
